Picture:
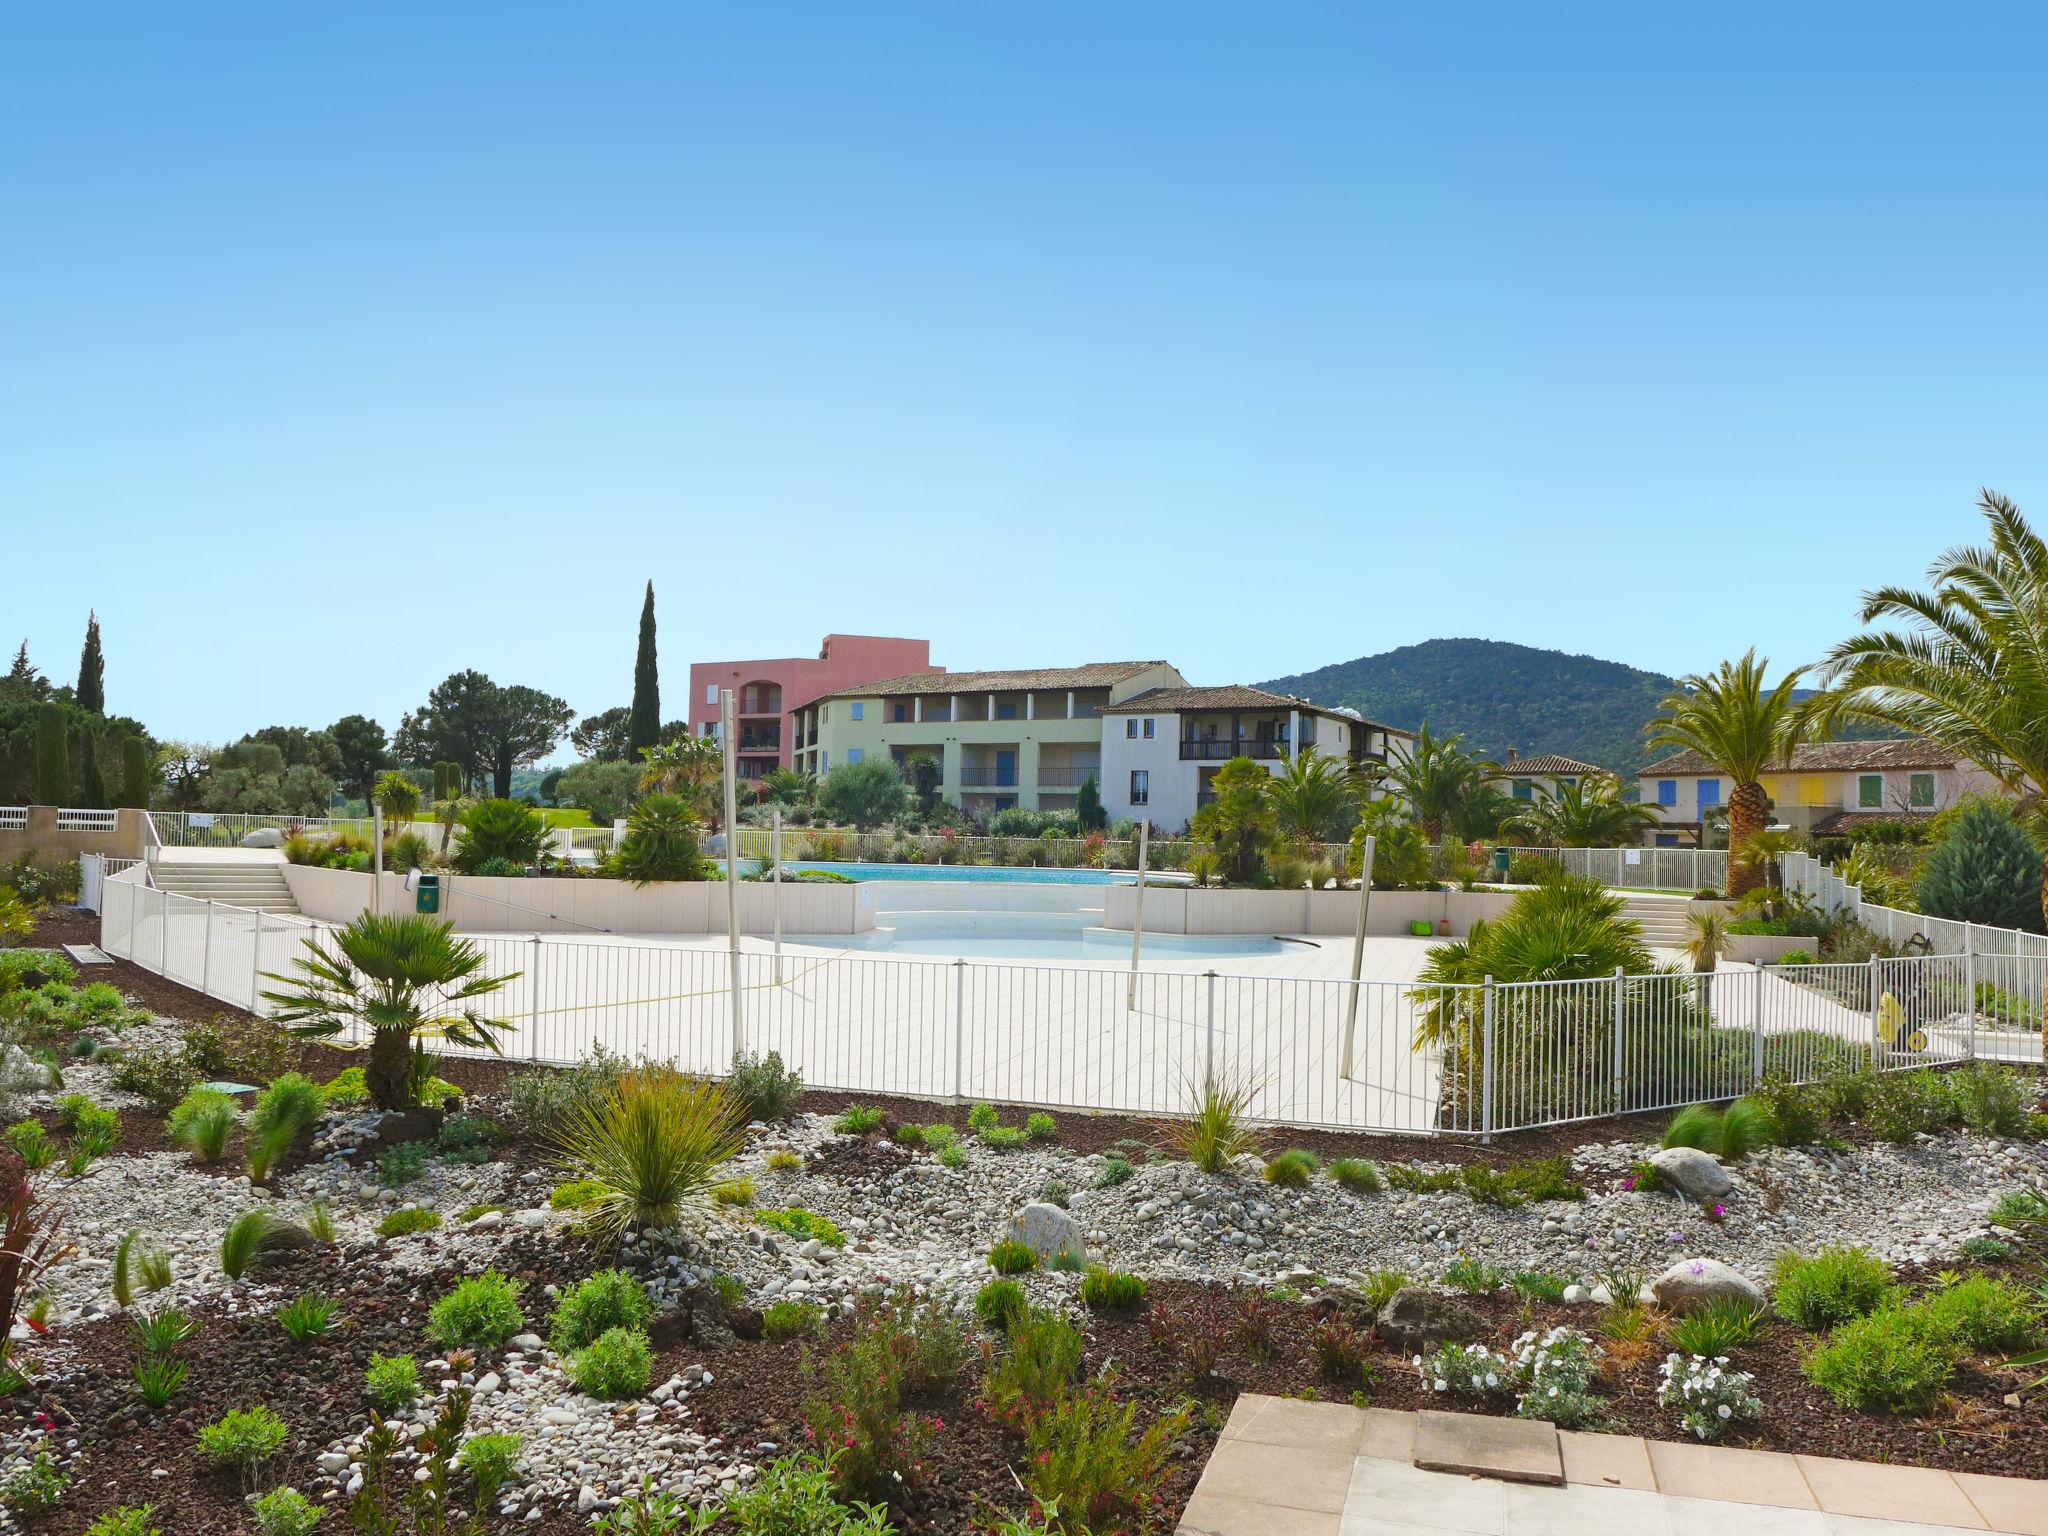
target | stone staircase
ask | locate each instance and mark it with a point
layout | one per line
(1663, 918)
(258, 884)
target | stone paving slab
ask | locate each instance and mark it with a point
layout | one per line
(1925, 1495)
(1513, 1450)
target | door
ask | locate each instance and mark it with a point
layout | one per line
(1006, 767)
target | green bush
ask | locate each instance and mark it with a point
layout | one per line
(499, 829)
(1989, 1099)
(1983, 1249)
(402, 1165)
(1086, 1454)
(1035, 1368)
(1891, 1361)
(1716, 1327)
(1356, 1175)
(392, 1381)
(1114, 1172)
(609, 1299)
(655, 1141)
(243, 1438)
(615, 1364)
(1293, 1169)
(858, 1120)
(1471, 1275)
(484, 1309)
(789, 1319)
(660, 842)
(35, 1486)
(1539, 1285)
(247, 1236)
(28, 1138)
(492, 1461)
(1795, 1109)
(203, 1123)
(575, 1195)
(1833, 1286)
(1000, 1303)
(307, 1317)
(291, 1106)
(1986, 1314)
(129, 1520)
(405, 1223)
(286, 1512)
(764, 1087)
(1908, 1104)
(1987, 870)
(1108, 1290)
(802, 1224)
(2019, 1208)
(1010, 1257)
(1039, 1126)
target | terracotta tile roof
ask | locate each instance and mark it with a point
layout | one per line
(1168, 701)
(1843, 821)
(1825, 757)
(1546, 765)
(1098, 674)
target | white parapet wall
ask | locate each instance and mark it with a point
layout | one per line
(545, 904)
(1178, 909)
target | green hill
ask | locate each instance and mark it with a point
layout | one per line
(1499, 695)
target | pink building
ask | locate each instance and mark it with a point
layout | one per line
(768, 693)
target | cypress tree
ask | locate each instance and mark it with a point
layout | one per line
(92, 670)
(134, 773)
(53, 755)
(92, 788)
(643, 726)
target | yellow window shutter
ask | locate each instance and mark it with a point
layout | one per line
(1813, 790)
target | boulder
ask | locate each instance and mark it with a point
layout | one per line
(1691, 1283)
(263, 837)
(1695, 1174)
(1416, 1321)
(1048, 1231)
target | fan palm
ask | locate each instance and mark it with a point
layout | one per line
(1970, 672)
(403, 978)
(689, 763)
(1436, 776)
(1587, 813)
(1740, 728)
(1314, 797)
(661, 841)
(399, 798)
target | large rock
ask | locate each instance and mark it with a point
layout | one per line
(1048, 1231)
(263, 837)
(1690, 1284)
(1695, 1174)
(1416, 1321)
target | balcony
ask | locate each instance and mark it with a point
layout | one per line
(1210, 749)
(988, 778)
(1066, 778)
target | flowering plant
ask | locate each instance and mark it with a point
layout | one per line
(1471, 1370)
(1554, 1372)
(1708, 1396)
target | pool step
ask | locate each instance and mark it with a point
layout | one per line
(954, 920)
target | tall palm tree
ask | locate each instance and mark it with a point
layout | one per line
(405, 979)
(1729, 718)
(1315, 798)
(1970, 672)
(1586, 813)
(1435, 777)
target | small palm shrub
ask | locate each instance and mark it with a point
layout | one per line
(1010, 1257)
(1893, 1360)
(484, 1309)
(308, 1317)
(1293, 1169)
(615, 1364)
(790, 1319)
(609, 1299)
(1356, 1175)
(203, 1123)
(391, 1382)
(1108, 1290)
(764, 1087)
(660, 842)
(1000, 1303)
(653, 1142)
(1833, 1286)
(1215, 1131)
(406, 1222)
(243, 1438)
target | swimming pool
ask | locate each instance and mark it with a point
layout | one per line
(1097, 945)
(974, 874)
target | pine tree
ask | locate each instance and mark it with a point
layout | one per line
(23, 683)
(643, 729)
(53, 755)
(92, 785)
(92, 670)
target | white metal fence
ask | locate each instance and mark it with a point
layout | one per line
(93, 870)
(69, 818)
(1372, 1056)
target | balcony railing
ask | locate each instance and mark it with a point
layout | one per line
(1066, 778)
(988, 778)
(1211, 749)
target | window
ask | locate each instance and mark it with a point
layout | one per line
(711, 693)
(854, 754)
(1870, 791)
(1148, 730)
(711, 728)
(857, 709)
(1920, 791)
(1141, 787)
(1006, 709)
(902, 713)
(1130, 728)
(1813, 789)
(1667, 791)
(1710, 794)
(824, 760)
(1524, 790)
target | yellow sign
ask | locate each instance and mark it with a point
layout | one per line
(1891, 1019)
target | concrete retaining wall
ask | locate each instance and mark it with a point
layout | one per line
(1181, 910)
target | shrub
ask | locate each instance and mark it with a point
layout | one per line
(247, 1237)
(792, 1496)
(953, 1156)
(1010, 1257)
(28, 1138)
(1986, 870)
(858, 1120)
(286, 1512)
(161, 1074)
(1381, 1286)
(307, 1317)
(402, 1165)
(1292, 1169)
(856, 1404)
(790, 1319)
(1715, 1327)
(1795, 1110)
(653, 1142)
(405, 1223)
(609, 1299)
(1088, 1456)
(203, 1122)
(499, 829)
(285, 1111)
(467, 1133)
(1908, 1104)
(492, 1461)
(1215, 1130)
(734, 1192)
(542, 1104)
(1984, 1313)
(1109, 1290)
(128, 1520)
(240, 1048)
(1892, 1361)
(157, 1379)
(1039, 1126)
(1538, 1285)
(391, 1382)
(1984, 1249)
(2019, 1208)
(617, 1363)
(575, 1195)
(1845, 1090)
(1465, 1370)
(1990, 1099)
(1356, 1175)
(1339, 1350)
(1833, 1286)
(803, 1225)
(34, 1486)
(764, 1088)
(1708, 1396)
(243, 1438)
(1554, 1377)
(484, 1309)
(1033, 1370)
(1473, 1276)
(1000, 1303)
(1114, 1171)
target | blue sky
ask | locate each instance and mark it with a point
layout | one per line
(345, 346)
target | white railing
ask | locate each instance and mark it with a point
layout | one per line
(1657, 869)
(1810, 878)
(13, 815)
(94, 869)
(69, 818)
(1370, 1056)
(226, 829)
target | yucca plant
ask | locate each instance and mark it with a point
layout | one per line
(402, 978)
(651, 1142)
(500, 829)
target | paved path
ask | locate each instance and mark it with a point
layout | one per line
(1290, 1468)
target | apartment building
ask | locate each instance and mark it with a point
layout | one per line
(1540, 777)
(1161, 748)
(768, 693)
(1826, 788)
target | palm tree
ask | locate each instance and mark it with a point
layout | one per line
(687, 764)
(1586, 813)
(1314, 797)
(1970, 673)
(1707, 939)
(1239, 822)
(1740, 728)
(661, 842)
(1435, 777)
(399, 798)
(405, 979)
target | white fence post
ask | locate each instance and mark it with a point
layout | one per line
(1873, 1013)
(1970, 983)
(959, 1031)
(1486, 1069)
(1619, 989)
(163, 933)
(1756, 1063)
(1209, 1033)
(206, 953)
(256, 967)
(533, 1004)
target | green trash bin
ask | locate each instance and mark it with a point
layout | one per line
(1501, 858)
(426, 896)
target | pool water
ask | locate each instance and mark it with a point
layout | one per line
(1099, 945)
(992, 874)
